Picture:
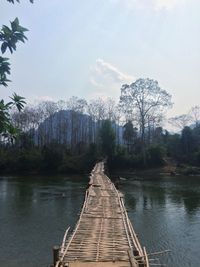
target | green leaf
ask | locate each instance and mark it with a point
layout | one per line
(4, 70)
(9, 104)
(4, 47)
(15, 24)
(21, 29)
(10, 37)
(7, 31)
(18, 101)
(10, 48)
(16, 21)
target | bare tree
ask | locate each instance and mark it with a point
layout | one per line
(62, 105)
(180, 121)
(110, 109)
(76, 104)
(143, 98)
(97, 109)
(195, 115)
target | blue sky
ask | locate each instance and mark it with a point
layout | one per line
(90, 48)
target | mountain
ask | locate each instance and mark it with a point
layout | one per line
(71, 128)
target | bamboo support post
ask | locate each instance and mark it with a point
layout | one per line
(133, 262)
(55, 255)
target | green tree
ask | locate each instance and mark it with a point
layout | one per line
(187, 142)
(9, 37)
(173, 144)
(107, 137)
(156, 155)
(5, 122)
(129, 135)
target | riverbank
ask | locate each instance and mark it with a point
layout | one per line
(172, 169)
(26, 165)
(45, 160)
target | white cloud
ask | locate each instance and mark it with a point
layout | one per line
(107, 79)
(106, 72)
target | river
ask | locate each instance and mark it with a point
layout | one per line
(36, 210)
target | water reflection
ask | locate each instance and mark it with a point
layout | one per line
(166, 214)
(147, 193)
(35, 211)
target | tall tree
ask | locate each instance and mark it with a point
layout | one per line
(143, 98)
(97, 110)
(107, 137)
(187, 142)
(129, 135)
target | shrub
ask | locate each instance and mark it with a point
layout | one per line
(155, 155)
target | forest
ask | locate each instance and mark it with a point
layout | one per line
(70, 136)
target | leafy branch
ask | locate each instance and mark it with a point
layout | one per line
(4, 70)
(9, 37)
(5, 123)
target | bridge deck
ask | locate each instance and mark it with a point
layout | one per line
(103, 235)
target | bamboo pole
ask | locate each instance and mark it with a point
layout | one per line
(64, 240)
(55, 255)
(132, 259)
(146, 257)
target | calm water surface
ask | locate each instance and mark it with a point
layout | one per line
(35, 212)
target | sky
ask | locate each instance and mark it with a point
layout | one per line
(90, 48)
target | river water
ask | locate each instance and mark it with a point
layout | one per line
(36, 210)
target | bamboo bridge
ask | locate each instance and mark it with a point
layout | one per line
(104, 235)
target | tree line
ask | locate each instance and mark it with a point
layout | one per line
(71, 135)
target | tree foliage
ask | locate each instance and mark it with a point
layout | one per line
(9, 37)
(6, 127)
(107, 136)
(77, 139)
(129, 135)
